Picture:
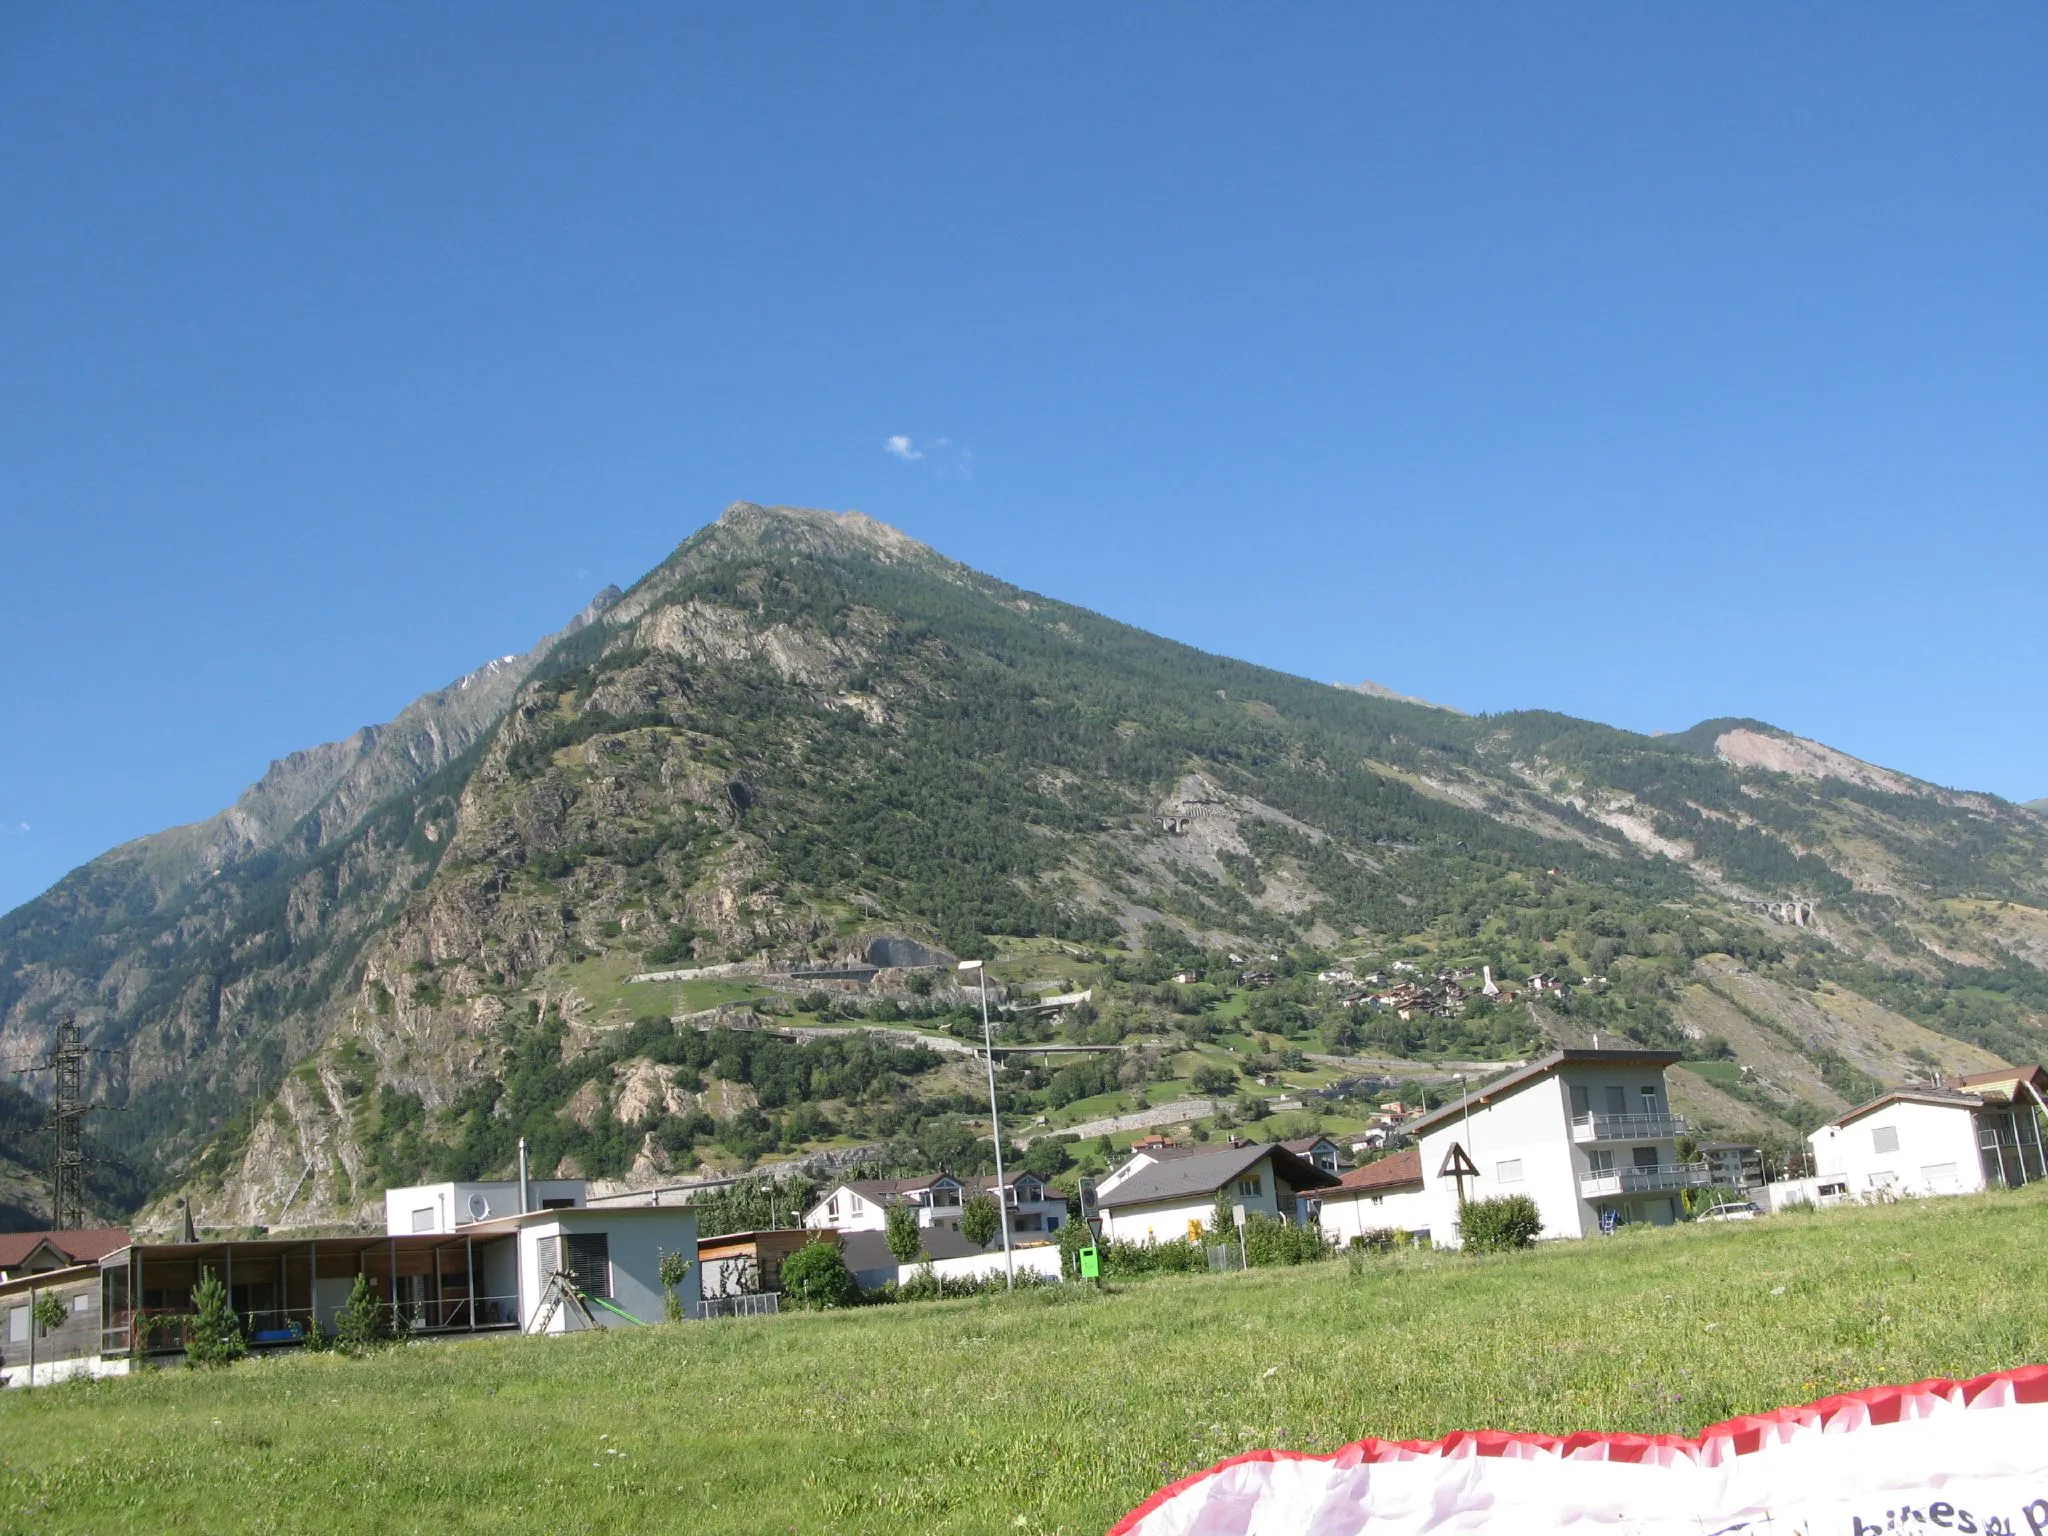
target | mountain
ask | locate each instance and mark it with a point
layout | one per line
(804, 741)
(205, 953)
(1373, 690)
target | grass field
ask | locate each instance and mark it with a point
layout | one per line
(1045, 1412)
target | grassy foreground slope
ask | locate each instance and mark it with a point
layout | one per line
(1041, 1413)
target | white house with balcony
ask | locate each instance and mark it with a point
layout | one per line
(1983, 1133)
(1036, 1207)
(1588, 1135)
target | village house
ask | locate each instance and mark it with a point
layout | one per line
(1175, 1197)
(1983, 1133)
(1587, 1134)
(1386, 1196)
(1036, 1207)
(32, 1353)
(32, 1253)
(1320, 1150)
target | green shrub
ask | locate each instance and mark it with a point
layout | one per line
(980, 1220)
(1498, 1225)
(1122, 1259)
(363, 1323)
(903, 1235)
(816, 1276)
(1073, 1237)
(48, 1312)
(672, 1269)
(1269, 1241)
(213, 1336)
(925, 1285)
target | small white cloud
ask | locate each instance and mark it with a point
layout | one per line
(902, 448)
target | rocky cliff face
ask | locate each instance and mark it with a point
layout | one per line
(804, 730)
(208, 953)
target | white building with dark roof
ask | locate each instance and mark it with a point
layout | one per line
(1170, 1199)
(1588, 1135)
(1387, 1196)
(1983, 1133)
(1036, 1206)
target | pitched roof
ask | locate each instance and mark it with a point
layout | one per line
(2005, 1083)
(1302, 1145)
(1395, 1172)
(1543, 1067)
(87, 1246)
(1940, 1098)
(1208, 1172)
(882, 1191)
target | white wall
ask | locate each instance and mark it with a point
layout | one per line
(1402, 1210)
(1936, 1153)
(1043, 1260)
(449, 1203)
(636, 1235)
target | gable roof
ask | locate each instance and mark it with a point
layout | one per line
(1515, 1081)
(1303, 1145)
(1208, 1172)
(2006, 1082)
(87, 1246)
(1940, 1098)
(1389, 1173)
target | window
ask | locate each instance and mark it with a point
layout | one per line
(1582, 1103)
(858, 1207)
(1052, 1223)
(1251, 1188)
(1646, 1157)
(1938, 1173)
(1649, 1099)
(590, 1261)
(423, 1219)
(1884, 1138)
(82, 1302)
(832, 1209)
(945, 1194)
(558, 1203)
(17, 1326)
(1617, 1101)
(1509, 1170)
(1834, 1189)
(1600, 1162)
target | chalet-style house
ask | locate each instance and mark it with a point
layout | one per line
(1172, 1197)
(1036, 1207)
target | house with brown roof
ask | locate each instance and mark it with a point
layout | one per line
(1386, 1196)
(30, 1253)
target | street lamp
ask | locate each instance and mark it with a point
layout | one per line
(995, 1123)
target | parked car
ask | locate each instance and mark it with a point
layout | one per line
(1734, 1210)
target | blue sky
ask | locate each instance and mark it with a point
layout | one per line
(1646, 363)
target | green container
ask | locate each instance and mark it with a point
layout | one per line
(1091, 1264)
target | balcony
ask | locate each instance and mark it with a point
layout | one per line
(1591, 1128)
(1662, 1179)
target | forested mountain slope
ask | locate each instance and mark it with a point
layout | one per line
(202, 956)
(803, 731)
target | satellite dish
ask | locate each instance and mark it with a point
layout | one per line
(479, 1207)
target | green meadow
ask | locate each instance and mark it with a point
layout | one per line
(1045, 1412)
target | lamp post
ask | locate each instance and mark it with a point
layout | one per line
(995, 1123)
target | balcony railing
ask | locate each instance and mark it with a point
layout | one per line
(165, 1329)
(1646, 1181)
(1628, 1128)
